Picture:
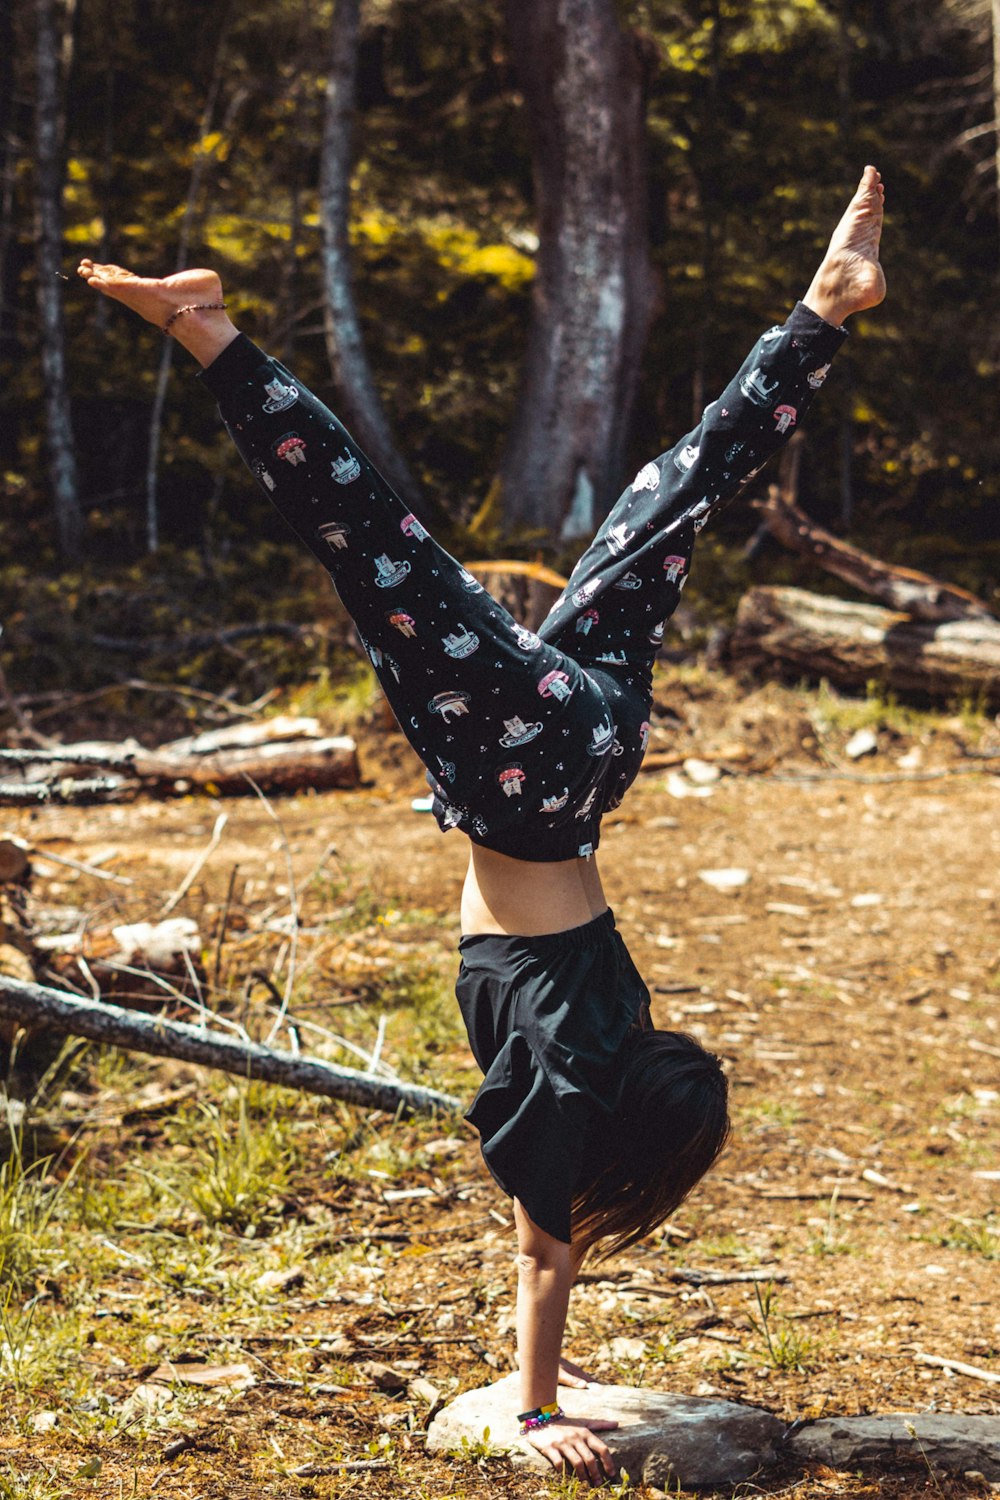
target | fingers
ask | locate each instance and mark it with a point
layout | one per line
(586, 1455)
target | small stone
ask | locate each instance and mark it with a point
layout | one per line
(628, 1349)
(152, 1343)
(44, 1421)
(728, 880)
(866, 898)
(679, 787)
(862, 742)
(701, 772)
(280, 1281)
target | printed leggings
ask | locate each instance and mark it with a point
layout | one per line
(527, 738)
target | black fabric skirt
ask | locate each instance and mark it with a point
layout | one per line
(546, 1018)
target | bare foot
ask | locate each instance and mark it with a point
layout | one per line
(204, 331)
(850, 277)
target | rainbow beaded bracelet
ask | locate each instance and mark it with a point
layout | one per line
(540, 1417)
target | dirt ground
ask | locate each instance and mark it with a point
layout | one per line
(851, 984)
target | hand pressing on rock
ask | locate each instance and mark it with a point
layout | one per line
(573, 1443)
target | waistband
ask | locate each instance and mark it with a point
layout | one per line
(490, 946)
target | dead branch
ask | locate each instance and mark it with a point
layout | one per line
(35, 1005)
(916, 594)
(974, 1372)
(203, 640)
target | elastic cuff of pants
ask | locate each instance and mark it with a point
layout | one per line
(239, 361)
(828, 339)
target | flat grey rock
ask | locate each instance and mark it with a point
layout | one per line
(950, 1441)
(661, 1439)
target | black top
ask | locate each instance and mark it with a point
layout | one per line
(546, 1018)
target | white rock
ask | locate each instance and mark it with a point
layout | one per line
(158, 942)
(862, 742)
(678, 787)
(44, 1421)
(867, 898)
(630, 1349)
(724, 880)
(662, 1440)
(701, 772)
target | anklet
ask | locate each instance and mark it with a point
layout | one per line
(192, 307)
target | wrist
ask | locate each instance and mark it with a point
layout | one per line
(539, 1416)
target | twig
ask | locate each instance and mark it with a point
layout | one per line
(373, 1065)
(85, 869)
(60, 702)
(725, 1278)
(316, 1471)
(983, 1047)
(196, 868)
(379, 1042)
(222, 926)
(293, 902)
(958, 1368)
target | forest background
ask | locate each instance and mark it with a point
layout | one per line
(413, 162)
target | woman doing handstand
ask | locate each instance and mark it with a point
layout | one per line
(596, 1124)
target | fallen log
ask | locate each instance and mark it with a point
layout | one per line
(281, 755)
(34, 1005)
(811, 635)
(919, 595)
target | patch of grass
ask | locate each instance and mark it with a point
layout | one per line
(38, 1484)
(28, 1200)
(980, 1236)
(878, 709)
(481, 1450)
(238, 1167)
(782, 1346)
(726, 1247)
(830, 1241)
(770, 1112)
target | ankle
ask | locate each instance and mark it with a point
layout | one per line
(204, 331)
(826, 297)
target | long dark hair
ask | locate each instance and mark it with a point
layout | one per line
(671, 1124)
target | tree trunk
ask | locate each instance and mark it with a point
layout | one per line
(799, 634)
(583, 83)
(48, 232)
(10, 150)
(198, 168)
(996, 100)
(360, 403)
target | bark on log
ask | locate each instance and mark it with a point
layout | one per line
(35, 1005)
(917, 594)
(810, 635)
(280, 755)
